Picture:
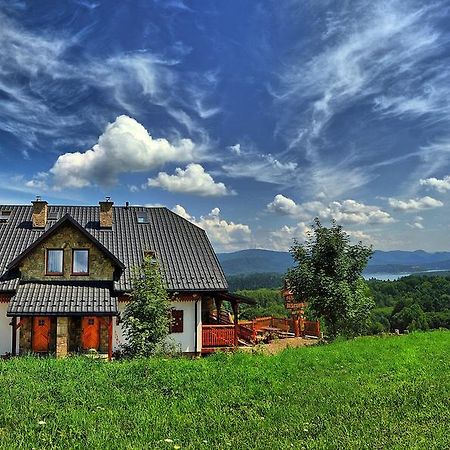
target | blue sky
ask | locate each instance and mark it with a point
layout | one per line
(250, 118)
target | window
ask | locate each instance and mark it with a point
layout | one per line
(80, 262)
(41, 322)
(55, 262)
(149, 254)
(142, 217)
(4, 216)
(91, 321)
(177, 321)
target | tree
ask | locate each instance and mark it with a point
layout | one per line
(327, 275)
(146, 318)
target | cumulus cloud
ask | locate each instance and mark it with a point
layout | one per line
(224, 234)
(283, 238)
(415, 204)
(441, 185)
(284, 205)
(347, 211)
(125, 146)
(193, 180)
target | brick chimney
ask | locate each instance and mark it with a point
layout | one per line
(106, 213)
(40, 210)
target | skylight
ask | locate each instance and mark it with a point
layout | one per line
(142, 217)
(4, 216)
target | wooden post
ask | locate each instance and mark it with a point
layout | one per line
(235, 306)
(296, 325)
(110, 336)
(14, 336)
(218, 302)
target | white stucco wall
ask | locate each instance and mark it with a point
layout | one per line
(118, 337)
(186, 339)
(5, 330)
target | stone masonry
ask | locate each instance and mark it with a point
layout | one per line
(62, 337)
(67, 238)
(39, 216)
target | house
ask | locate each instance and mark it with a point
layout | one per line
(65, 277)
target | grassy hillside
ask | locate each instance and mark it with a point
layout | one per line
(369, 393)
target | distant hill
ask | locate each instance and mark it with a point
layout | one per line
(255, 261)
(396, 261)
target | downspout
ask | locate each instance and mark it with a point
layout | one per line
(196, 327)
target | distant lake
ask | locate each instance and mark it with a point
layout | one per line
(386, 276)
(396, 276)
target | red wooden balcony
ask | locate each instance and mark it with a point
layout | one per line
(217, 336)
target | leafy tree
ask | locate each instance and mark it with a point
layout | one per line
(328, 276)
(146, 318)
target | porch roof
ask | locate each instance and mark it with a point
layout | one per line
(236, 298)
(59, 298)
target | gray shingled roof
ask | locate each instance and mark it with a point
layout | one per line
(186, 256)
(62, 298)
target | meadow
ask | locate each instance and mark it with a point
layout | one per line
(367, 393)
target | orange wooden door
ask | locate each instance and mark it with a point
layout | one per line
(90, 335)
(41, 334)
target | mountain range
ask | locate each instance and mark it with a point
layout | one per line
(395, 261)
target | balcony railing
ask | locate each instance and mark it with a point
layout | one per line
(217, 336)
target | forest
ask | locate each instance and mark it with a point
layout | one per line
(410, 303)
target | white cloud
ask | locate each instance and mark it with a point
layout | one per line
(236, 149)
(375, 52)
(284, 205)
(441, 185)
(283, 238)
(125, 146)
(193, 180)
(129, 81)
(39, 182)
(261, 167)
(415, 204)
(347, 211)
(358, 235)
(224, 234)
(416, 225)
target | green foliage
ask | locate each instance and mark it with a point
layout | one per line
(328, 275)
(146, 318)
(367, 393)
(270, 302)
(414, 302)
(255, 281)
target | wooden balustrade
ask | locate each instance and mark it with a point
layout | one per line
(246, 333)
(261, 322)
(282, 324)
(218, 335)
(311, 328)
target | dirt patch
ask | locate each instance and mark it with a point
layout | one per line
(277, 345)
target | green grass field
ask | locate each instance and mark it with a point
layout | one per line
(370, 393)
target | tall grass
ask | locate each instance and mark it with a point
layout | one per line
(373, 392)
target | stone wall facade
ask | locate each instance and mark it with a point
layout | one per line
(62, 337)
(33, 267)
(25, 335)
(106, 214)
(39, 216)
(104, 335)
(75, 334)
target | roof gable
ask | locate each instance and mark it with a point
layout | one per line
(66, 219)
